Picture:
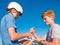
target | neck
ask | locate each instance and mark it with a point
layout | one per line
(51, 23)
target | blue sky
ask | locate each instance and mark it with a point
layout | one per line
(32, 10)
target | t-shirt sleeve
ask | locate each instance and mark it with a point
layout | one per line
(10, 22)
(56, 32)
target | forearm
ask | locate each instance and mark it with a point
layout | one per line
(36, 37)
(49, 43)
(18, 36)
(15, 36)
(52, 43)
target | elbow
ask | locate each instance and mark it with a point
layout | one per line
(12, 38)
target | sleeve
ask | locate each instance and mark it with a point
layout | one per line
(56, 32)
(10, 22)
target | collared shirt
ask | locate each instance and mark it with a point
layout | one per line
(7, 22)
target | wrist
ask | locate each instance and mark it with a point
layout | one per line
(32, 33)
(26, 34)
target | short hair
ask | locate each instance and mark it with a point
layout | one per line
(49, 13)
(8, 10)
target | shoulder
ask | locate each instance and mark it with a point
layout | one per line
(9, 17)
(56, 26)
(56, 31)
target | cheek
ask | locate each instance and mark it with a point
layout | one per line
(15, 13)
(46, 21)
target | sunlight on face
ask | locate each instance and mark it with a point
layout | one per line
(47, 20)
(14, 13)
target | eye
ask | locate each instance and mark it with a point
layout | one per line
(44, 18)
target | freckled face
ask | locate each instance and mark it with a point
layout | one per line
(47, 20)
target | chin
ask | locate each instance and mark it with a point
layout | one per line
(47, 23)
(15, 17)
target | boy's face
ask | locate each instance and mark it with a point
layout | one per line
(15, 13)
(47, 20)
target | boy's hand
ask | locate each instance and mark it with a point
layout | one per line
(29, 35)
(44, 42)
(32, 31)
